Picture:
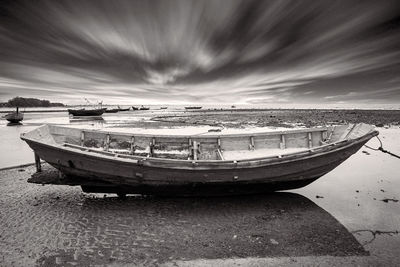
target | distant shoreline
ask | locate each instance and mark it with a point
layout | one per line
(34, 111)
(7, 110)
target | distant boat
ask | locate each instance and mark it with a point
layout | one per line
(87, 112)
(112, 110)
(144, 108)
(233, 106)
(209, 164)
(193, 107)
(15, 116)
(123, 109)
(163, 107)
(135, 108)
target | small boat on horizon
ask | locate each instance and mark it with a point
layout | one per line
(15, 116)
(193, 107)
(123, 109)
(163, 107)
(112, 110)
(206, 164)
(87, 112)
(144, 108)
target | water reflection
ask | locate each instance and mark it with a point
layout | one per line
(141, 228)
(14, 124)
(93, 121)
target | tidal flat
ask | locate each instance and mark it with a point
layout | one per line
(350, 216)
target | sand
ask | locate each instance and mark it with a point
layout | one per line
(60, 225)
(284, 117)
(341, 219)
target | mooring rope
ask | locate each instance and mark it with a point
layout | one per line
(380, 148)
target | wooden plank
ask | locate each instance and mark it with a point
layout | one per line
(82, 138)
(89, 149)
(324, 135)
(283, 142)
(201, 136)
(234, 143)
(309, 140)
(107, 146)
(132, 145)
(219, 153)
(37, 163)
(341, 131)
(151, 148)
(190, 149)
(252, 146)
(268, 141)
(174, 140)
(208, 151)
(316, 138)
(194, 150)
(355, 126)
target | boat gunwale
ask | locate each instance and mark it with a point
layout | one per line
(211, 164)
(201, 135)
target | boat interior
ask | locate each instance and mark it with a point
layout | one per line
(202, 147)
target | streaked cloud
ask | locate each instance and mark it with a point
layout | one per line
(201, 51)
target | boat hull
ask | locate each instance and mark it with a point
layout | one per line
(18, 120)
(115, 175)
(87, 112)
(14, 117)
(112, 110)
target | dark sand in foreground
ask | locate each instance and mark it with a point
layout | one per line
(50, 225)
(348, 224)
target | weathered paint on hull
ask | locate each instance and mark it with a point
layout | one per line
(113, 175)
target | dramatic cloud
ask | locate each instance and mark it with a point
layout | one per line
(226, 51)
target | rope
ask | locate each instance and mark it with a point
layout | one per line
(380, 148)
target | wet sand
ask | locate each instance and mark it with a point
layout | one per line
(341, 219)
(178, 121)
(242, 118)
(48, 225)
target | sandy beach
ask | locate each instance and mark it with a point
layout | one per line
(178, 119)
(350, 216)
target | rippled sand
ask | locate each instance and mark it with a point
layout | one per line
(60, 225)
(347, 224)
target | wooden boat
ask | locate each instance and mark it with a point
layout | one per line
(15, 116)
(205, 164)
(112, 110)
(123, 109)
(144, 108)
(193, 107)
(135, 108)
(87, 112)
(163, 107)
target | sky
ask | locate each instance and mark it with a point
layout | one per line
(177, 52)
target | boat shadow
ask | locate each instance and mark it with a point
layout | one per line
(14, 123)
(164, 229)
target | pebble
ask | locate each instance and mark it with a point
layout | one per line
(273, 241)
